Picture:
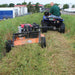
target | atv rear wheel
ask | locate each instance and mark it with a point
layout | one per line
(43, 42)
(8, 45)
(62, 28)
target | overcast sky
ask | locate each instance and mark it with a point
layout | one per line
(40, 1)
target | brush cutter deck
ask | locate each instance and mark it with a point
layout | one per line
(26, 37)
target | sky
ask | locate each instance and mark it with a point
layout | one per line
(40, 1)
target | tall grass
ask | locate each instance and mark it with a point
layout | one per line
(31, 59)
(8, 27)
(69, 21)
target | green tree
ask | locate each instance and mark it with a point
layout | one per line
(47, 6)
(11, 5)
(73, 6)
(24, 3)
(18, 4)
(33, 9)
(4, 5)
(37, 7)
(65, 6)
(56, 4)
(29, 7)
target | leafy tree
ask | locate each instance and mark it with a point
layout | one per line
(4, 5)
(11, 5)
(24, 3)
(29, 7)
(73, 6)
(56, 4)
(33, 9)
(65, 6)
(37, 7)
(47, 6)
(18, 4)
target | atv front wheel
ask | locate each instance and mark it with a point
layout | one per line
(43, 42)
(44, 29)
(8, 45)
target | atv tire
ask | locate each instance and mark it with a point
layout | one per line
(43, 24)
(62, 28)
(43, 42)
(8, 45)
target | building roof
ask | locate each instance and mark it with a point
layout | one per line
(39, 5)
(20, 5)
(33, 5)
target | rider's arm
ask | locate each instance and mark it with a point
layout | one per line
(51, 10)
(45, 17)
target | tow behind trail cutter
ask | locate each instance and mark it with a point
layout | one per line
(27, 34)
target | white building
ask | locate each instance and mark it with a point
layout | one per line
(22, 9)
(70, 9)
(12, 12)
(8, 12)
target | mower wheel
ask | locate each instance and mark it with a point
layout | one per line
(62, 28)
(8, 45)
(44, 29)
(43, 42)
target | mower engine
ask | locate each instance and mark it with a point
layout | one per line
(25, 28)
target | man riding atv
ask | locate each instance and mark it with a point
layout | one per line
(54, 11)
(52, 20)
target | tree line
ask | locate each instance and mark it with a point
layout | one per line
(12, 4)
(30, 6)
(65, 6)
(35, 8)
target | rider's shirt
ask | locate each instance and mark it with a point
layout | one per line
(54, 10)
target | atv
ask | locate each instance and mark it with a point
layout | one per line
(52, 23)
(27, 34)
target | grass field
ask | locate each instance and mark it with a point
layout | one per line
(56, 59)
